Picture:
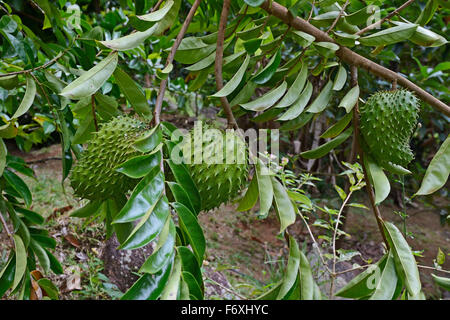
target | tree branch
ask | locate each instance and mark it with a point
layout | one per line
(218, 65)
(379, 22)
(353, 58)
(180, 36)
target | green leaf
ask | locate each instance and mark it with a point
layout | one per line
(265, 189)
(299, 105)
(302, 38)
(428, 12)
(389, 36)
(326, 49)
(184, 179)
(251, 196)
(180, 195)
(231, 85)
(150, 141)
(363, 285)
(340, 191)
(7, 275)
(190, 264)
(387, 283)
(49, 288)
(44, 261)
(163, 250)
(267, 100)
(191, 227)
(328, 146)
(140, 166)
(169, 18)
(298, 122)
(269, 70)
(292, 269)
(171, 289)
(3, 153)
(192, 50)
(133, 92)
(379, 180)
(245, 94)
(90, 81)
(404, 260)
(338, 127)
(130, 41)
(204, 63)
(17, 184)
(307, 284)
(158, 14)
(438, 170)
(31, 216)
(149, 226)
(28, 98)
(350, 99)
(283, 205)
(144, 197)
(55, 266)
(194, 288)
(21, 261)
(296, 88)
(88, 210)
(297, 196)
(442, 282)
(149, 286)
(322, 100)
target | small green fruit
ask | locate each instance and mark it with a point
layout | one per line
(94, 177)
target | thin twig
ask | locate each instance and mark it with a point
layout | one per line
(5, 225)
(338, 17)
(227, 289)
(378, 23)
(163, 84)
(218, 65)
(156, 6)
(432, 268)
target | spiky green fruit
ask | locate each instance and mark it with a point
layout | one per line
(94, 177)
(218, 165)
(388, 120)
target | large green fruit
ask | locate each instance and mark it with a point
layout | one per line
(223, 170)
(388, 120)
(94, 176)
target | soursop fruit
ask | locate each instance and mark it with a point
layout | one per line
(218, 165)
(94, 176)
(388, 120)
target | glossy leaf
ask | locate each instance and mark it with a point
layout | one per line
(269, 70)
(231, 85)
(404, 260)
(302, 38)
(130, 41)
(267, 100)
(338, 127)
(387, 283)
(21, 261)
(380, 181)
(251, 196)
(389, 36)
(158, 14)
(299, 105)
(306, 279)
(149, 226)
(7, 275)
(190, 225)
(295, 89)
(28, 98)
(19, 185)
(90, 81)
(321, 102)
(171, 289)
(298, 122)
(149, 286)
(438, 170)
(150, 141)
(190, 264)
(350, 99)
(283, 205)
(44, 261)
(442, 282)
(341, 79)
(265, 189)
(140, 166)
(292, 269)
(323, 149)
(254, 3)
(144, 197)
(133, 92)
(163, 250)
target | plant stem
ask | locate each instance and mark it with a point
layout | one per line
(378, 23)
(338, 17)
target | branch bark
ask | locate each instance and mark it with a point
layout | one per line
(180, 36)
(218, 65)
(353, 58)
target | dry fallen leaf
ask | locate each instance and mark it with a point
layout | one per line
(73, 281)
(72, 240)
